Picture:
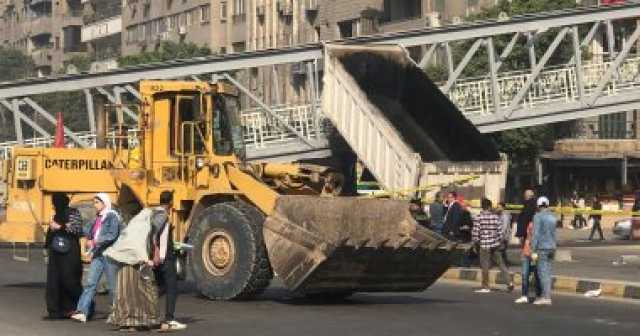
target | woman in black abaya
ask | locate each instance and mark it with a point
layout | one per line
(64, 270)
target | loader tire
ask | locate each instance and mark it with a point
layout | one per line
(229, 259)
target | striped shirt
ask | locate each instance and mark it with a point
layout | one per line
(487, 230)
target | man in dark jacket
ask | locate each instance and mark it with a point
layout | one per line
(165, 259)
(453, 217)
(526, 214)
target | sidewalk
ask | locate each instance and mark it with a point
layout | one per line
(593, 265)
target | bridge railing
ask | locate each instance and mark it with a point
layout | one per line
(554, 85)
(262, 130)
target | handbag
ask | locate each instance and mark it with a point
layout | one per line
(60, 244)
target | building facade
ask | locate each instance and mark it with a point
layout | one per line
(102, 32)
(47, 30)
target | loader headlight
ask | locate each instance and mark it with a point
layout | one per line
(200, 162)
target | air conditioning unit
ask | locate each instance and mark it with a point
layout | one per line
(182, 30)
(433, 19)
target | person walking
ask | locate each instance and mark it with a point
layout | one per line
(100, 234)
(452, 217)
(165, 259)
(578, 206)
(505, 222)
(487, 234)
(596, 218)
(528, 268)
(436, 213)
(64, 266)
(543, 247)
(526, 215)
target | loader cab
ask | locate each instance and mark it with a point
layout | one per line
(189, 126)
(205, 124)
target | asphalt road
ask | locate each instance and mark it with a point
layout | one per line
(445, 309)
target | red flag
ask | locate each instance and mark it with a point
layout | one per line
(59, 141)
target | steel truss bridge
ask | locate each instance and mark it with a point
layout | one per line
(539, 93)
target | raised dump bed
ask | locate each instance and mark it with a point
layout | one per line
(403, 128)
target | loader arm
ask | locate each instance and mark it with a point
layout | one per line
(263, 197)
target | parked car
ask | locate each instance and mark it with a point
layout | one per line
(622, 228)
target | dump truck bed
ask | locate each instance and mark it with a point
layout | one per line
(404, 129)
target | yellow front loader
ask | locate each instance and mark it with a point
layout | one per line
(246, 222)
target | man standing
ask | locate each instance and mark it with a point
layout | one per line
(452, 217)
(526, 215)
(436, 213)
(543, 247)
(164, 258)
(487, 233)
(505, 221)
(597, 218)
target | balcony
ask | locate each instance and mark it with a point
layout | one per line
(72, 18)
(41, 25)
(42, 56)
(101, 29)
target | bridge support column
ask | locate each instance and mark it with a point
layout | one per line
(17, 123)
(90, 110)
(624, 171)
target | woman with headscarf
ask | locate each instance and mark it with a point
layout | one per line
(136, 301)
(100, 234)
(64, 267)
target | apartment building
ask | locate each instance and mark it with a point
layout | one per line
(102, 32)
(147, 23)
(281, 23)
(47, 30)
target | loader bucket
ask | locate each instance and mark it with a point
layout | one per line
(348, 244)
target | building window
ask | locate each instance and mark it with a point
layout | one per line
(238, 7)
(223, 11)
(205, 13)
(395, 10)
(345, 28)
(146, 10)
(169, 4)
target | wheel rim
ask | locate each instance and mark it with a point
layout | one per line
(218, 253)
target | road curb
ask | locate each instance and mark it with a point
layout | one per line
(561, 284)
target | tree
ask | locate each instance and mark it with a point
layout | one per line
(14, 64)
(165, 52)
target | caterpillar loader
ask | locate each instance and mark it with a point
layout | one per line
(246, 221)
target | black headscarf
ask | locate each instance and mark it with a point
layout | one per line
(61, 204)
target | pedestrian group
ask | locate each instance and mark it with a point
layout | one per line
(489, 233)
(136, 260)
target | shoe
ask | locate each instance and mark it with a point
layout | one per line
(522, 299)
(542, 302)
(510, 287)
(80, 317)
(172, 326)
(483, 290)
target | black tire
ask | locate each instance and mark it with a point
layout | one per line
(241, 270)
